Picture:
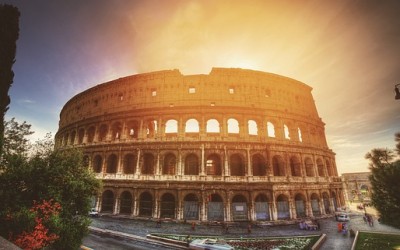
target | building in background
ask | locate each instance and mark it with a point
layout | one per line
(357, 187)
(233, 145)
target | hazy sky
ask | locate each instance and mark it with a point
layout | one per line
(347, 51)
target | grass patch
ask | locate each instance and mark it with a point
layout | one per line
(375, 241)
(265, 243)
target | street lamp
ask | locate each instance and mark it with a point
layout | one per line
(396, 89)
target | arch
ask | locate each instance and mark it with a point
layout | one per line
(258, 165)
(239, 208)
(299, 135)
(97, 164)
(81, 135)
(261, 207)
(169, 165)
(148, 163)
(126, 203)
(116, 131)
(325, 199)
(150, 127)
(91, 133)
(191, 207)
(129, 164)
(212, 126)
(171, 126)
(233, 126)
(65, 140)
(295, 166)
(309, 167)
(315, 204)
(270, 129)
(237, 165)
(72, 138)
(286, 131)
(278, 166)
(107, 202)
(192, 126)
(167, 206)
(191, 165)
(253, 129)
(133, 129)
(215, 208)
(145, 204)
(213, 165)
(103, 132)
(300, 204)
(321, 168)
(112, 163)
(282, 204)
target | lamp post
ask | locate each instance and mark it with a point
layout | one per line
(396, 89)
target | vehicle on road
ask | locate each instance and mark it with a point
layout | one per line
(93, 213)
(342, 217)
(209, 244)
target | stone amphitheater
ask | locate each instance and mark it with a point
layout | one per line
(233, 145)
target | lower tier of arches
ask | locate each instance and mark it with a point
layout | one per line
(207, 202)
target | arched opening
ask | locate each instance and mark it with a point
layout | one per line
(191, 207)
(299, 134)
(192, 126)
(81, 134)
(191, 165)
(215, 208)
(151, 128)
(112, 163)
(167, 206)
(309, 167)
(278, 166)
(286, 131)
(239, 208)
(295, 166)
(315, 204)
(103, 132)
(72, 138)
(261, 207)
(270, 129)
(129, 164)
(253, 129)
(146, 204)
(325, 198)
(171, 126)
(91, 133)
(282, 204)
(321, 168)
(133, 129)
(126, 203)
(300, 203)
(237, 165)
(233, 126)
(97, 164)
(116, 131)
(148, 164)
(213, 165)
(212, 126)
(169, 164)
(107, 202)
(258, 165)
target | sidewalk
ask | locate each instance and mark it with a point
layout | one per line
(334, 239)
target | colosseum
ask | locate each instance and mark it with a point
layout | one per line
(233, 145)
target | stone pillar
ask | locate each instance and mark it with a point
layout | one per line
(226, 166)
(249, 171)
(179, 207)
(120, 162)
(117, 205)
(156, 210)
(202, 166)
(180, 169)
(274, 215)
(137, 171)
(158, 167)
(204, 207)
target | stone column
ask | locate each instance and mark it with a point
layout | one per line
(202, 166)
(117, 205)
(137, 171)
(249, 171)
(226, 166)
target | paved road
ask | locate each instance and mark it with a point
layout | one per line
(334, 239)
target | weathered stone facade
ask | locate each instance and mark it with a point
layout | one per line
(229, 146)
(356, 186)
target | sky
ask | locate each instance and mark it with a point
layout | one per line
(348, 51)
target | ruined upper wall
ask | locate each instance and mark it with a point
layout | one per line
(223, 87)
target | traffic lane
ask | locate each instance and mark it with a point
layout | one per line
(103, 242)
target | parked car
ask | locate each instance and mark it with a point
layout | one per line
(210, 244)
(343, 217)
(93, 213)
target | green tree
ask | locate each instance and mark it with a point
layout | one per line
(46, 174)
(384, 178)
(9, 32)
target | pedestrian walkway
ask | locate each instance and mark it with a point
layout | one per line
(328, 226)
